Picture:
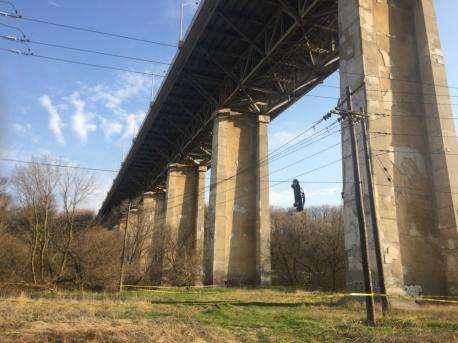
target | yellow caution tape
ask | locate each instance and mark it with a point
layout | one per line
(437, 299)
(432, 298)
(170, 287)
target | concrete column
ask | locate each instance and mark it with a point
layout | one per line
(185, 212)
(200, 222)
(148, 218)
(239, 200)
(263, 229)
(441, 132)
(154, 209)
(390, 53)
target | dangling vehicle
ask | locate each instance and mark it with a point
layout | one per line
(299, 196)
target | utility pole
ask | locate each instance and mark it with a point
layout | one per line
(123, 252)
(375, 227)
(370, 308)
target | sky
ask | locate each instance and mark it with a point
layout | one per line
(89, 116)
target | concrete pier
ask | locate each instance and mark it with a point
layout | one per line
(391, 56)
(153, 209)
(185, 213)
(239, 200)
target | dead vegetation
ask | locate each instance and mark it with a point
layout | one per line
(212, 315)
(66, 320)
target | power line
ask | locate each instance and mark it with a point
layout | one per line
(84, 29)
(161, 75)
(101, 66)
(393, 91)
(97, 65)
(10, 4)
(14, 28)
(263, 161)
(297, 136)
(390, 101)
(58, 165)
(397, 79)
(417, 152)
(260, 163)
(304, 145)
(297, 162)
(277, 182)
(323, 133)
(97, 52)
(409, 134)
(412, 115)
(304, 159)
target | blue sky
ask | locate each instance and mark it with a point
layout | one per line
(89, 116)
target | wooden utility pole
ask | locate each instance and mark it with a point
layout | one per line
(375, 227)
(123, 252)
(370, 308)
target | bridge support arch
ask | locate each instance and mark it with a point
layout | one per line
(239, 200)
(391, 58)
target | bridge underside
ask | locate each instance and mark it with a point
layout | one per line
(243, 63)
(250, 56)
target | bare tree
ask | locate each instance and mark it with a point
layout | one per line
(308, 248)
(137, 255)
(4, 202)
(75, 187)
(181, 261)
(35, 185)
(93, 259)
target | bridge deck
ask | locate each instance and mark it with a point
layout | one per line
(253, 56)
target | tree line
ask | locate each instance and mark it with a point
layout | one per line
(48, 239)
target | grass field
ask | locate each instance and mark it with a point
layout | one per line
(212, 315)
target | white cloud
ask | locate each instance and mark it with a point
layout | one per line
(114, 98)
(81, 120)
(89, 102)
(110, 128)
(130, 86)
(55, 122)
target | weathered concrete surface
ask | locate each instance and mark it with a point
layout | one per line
(153, 209)
(151, 245)
(185, 212)
(239, 200)
(396, 46)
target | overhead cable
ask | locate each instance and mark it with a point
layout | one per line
(84, 29)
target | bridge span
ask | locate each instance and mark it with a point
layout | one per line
(241, 64)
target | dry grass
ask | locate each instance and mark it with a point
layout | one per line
(212, 316)
(62, 320)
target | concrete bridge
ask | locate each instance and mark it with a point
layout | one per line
(240, 65)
